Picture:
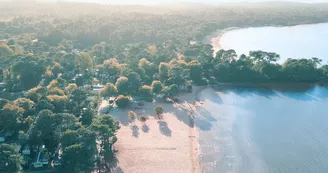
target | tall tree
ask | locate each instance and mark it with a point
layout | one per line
(10, 118)
(159, 111)
(84, 62)
(122, 85)
(195, 71)
(109, 90)
(156, 87)
(27, 104)
(77, 158)
(10, 159)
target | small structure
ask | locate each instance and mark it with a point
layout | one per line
(97, 88)
(2, 86)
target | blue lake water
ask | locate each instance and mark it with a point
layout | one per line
(304, 41)
(253, 130)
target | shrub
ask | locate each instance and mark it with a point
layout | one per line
(122, 101)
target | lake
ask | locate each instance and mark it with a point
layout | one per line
(254, 130)
(304, 41)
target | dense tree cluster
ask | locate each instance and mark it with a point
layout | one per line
(63, 121)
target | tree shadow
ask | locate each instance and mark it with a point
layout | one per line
(117, 170)
(206, 114)
(135, 131)
(299, 95)
(112, 166)
(117, 114)
(249, 91)
(203, 124)
(145, 128)
(164, 129)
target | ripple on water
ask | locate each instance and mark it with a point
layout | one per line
(285, 132)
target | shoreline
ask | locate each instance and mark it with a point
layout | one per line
(214, 38)
(274, 86)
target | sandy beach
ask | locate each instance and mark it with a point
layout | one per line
(167, 145)
(214, 39)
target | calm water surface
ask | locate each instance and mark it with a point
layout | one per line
(305, 41)
(252, 130)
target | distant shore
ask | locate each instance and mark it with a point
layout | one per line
(214, 38)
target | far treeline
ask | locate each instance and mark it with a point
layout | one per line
(52, 54)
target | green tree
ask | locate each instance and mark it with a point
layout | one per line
(143, 119)
(156, 87)
(70, 88)
(149, 67)
(132, 115)
(10, 118)
(56, 91)
(134, 81)
(33, 95)
(59, 102)
(87, 116)
(68, 138)
(10, 159)
(77, 158)
(195, 71)
(163, 71)
(84, 62)
(5, 50)
(44, 104)
(122, 85)
(28, 71)
(112, 68)
(109, 90)
(172, 91)
(106, 127)
(3, 102)
(44, 130)
(27, 104)
(146, 93)
(159, 111)
(78, 96)
(122, 101)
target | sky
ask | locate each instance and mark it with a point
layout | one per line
(178, 1)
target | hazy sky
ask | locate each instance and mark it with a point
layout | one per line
(178, 1)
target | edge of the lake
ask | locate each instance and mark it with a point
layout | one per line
(215, 37)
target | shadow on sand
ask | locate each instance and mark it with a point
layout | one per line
(145, 128)
(164, 129)
(135, 131)
(117, 170)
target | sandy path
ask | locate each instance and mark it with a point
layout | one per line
(169, 145)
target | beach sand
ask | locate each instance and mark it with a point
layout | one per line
(214, 39)
(168, 145)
